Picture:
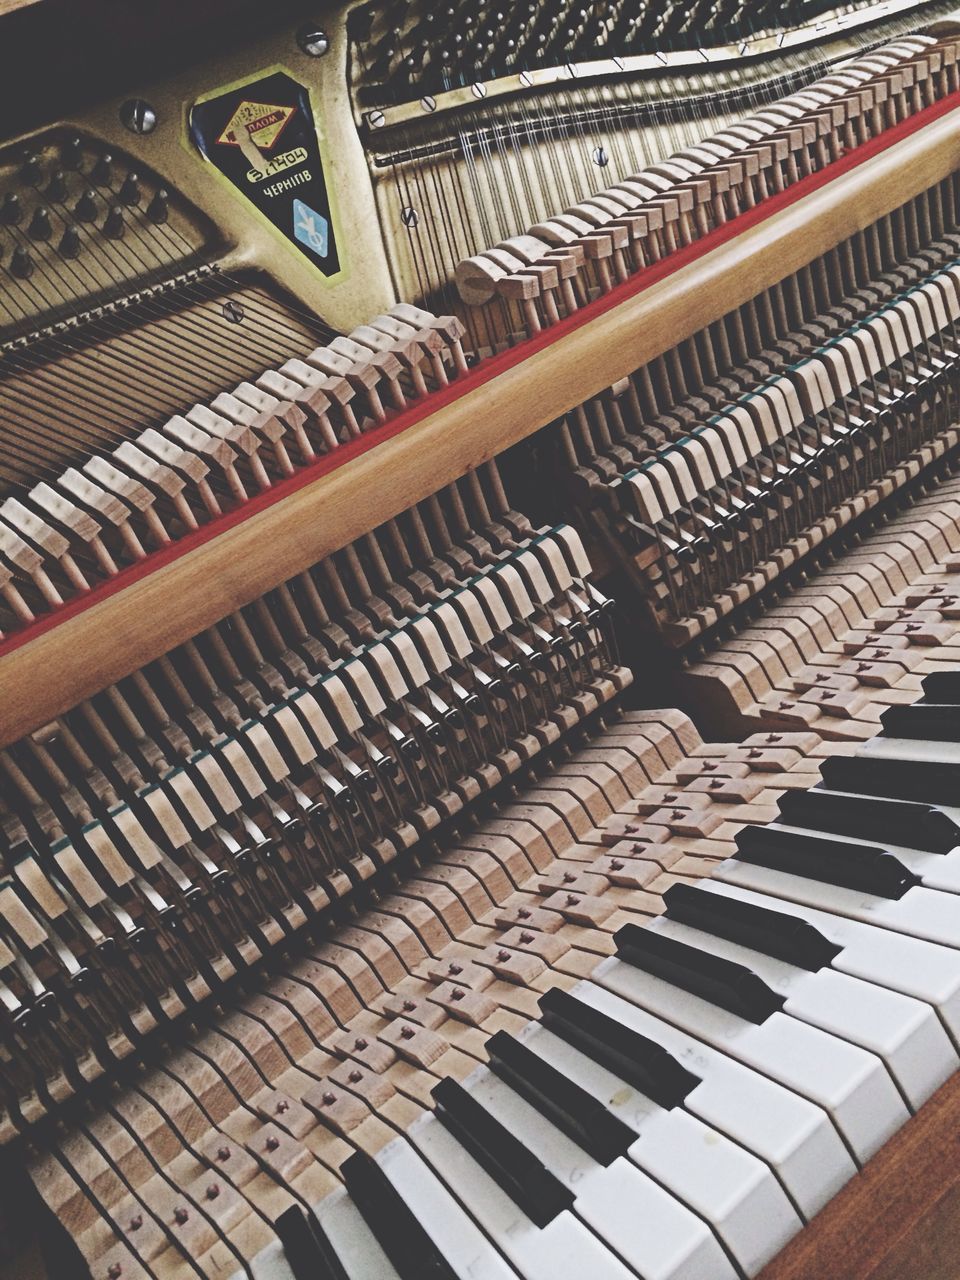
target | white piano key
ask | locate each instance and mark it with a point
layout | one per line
(793, 1136)
(462, 1243)
(904, 1032)
(853, 1086)
(565, 1247)
(653, 1232)
(921, 913)
(899, 962)
(356, 1246)
(728, 1186)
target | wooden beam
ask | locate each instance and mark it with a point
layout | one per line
(51, 672)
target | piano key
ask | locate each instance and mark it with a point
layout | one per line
(467, 1253)
(533, 1188)
(726, 984)
(537, 1253)
(904, 1033)
(920, 912)
(908, 823)
(306, 1246)
(401, 1236)
(933, 722)
(849, 866)
(932, 870)
(890, 958)
(643, 1224)
(641, 1061)
(772, 932)
(850, 1084)
(357, 1250)
(575, 1112)
(795, 1137)
(942, 687)
(729, 1187)
(926, 781)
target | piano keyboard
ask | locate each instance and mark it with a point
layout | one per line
(504, 1066)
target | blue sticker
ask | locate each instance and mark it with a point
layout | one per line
(310, 228)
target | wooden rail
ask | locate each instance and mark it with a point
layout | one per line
(898, 1219)
(149, 609)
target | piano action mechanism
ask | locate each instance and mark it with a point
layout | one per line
(399, 407)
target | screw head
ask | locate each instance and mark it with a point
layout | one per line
(212, 1191)
(282, 1106)
(223, 1153)
(616, 865)
(272, 1143)
(409, 1005)
(572, 899)
(454, 968)
(355, 1077)
(313, 40)
(329, 1099)
(407, 1033)
(523, 914)
(180, 1215)
(526, 938)
(138, 116)
(114, 1271)
(409, 217)
(136, 1222)
(457, 993)
(503, 955)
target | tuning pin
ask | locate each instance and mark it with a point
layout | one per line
(40, 228)
(21, 264)
(130, 191)
(73, 154)
(114, 227)
(56, 191)
(103, 170)
(32, 171)
(11, 211)
(69, 246)
(158, 210)
(86, 207)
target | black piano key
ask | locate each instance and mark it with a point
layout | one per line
(774, 933)
(723, 982)
(307, 1247)
(929, 781)
(932, 721)
(390, 1219)
(584, 1119)
(514, 1168)
(849, 866)
(641, 1062)
(905, 822)
(942, 686)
